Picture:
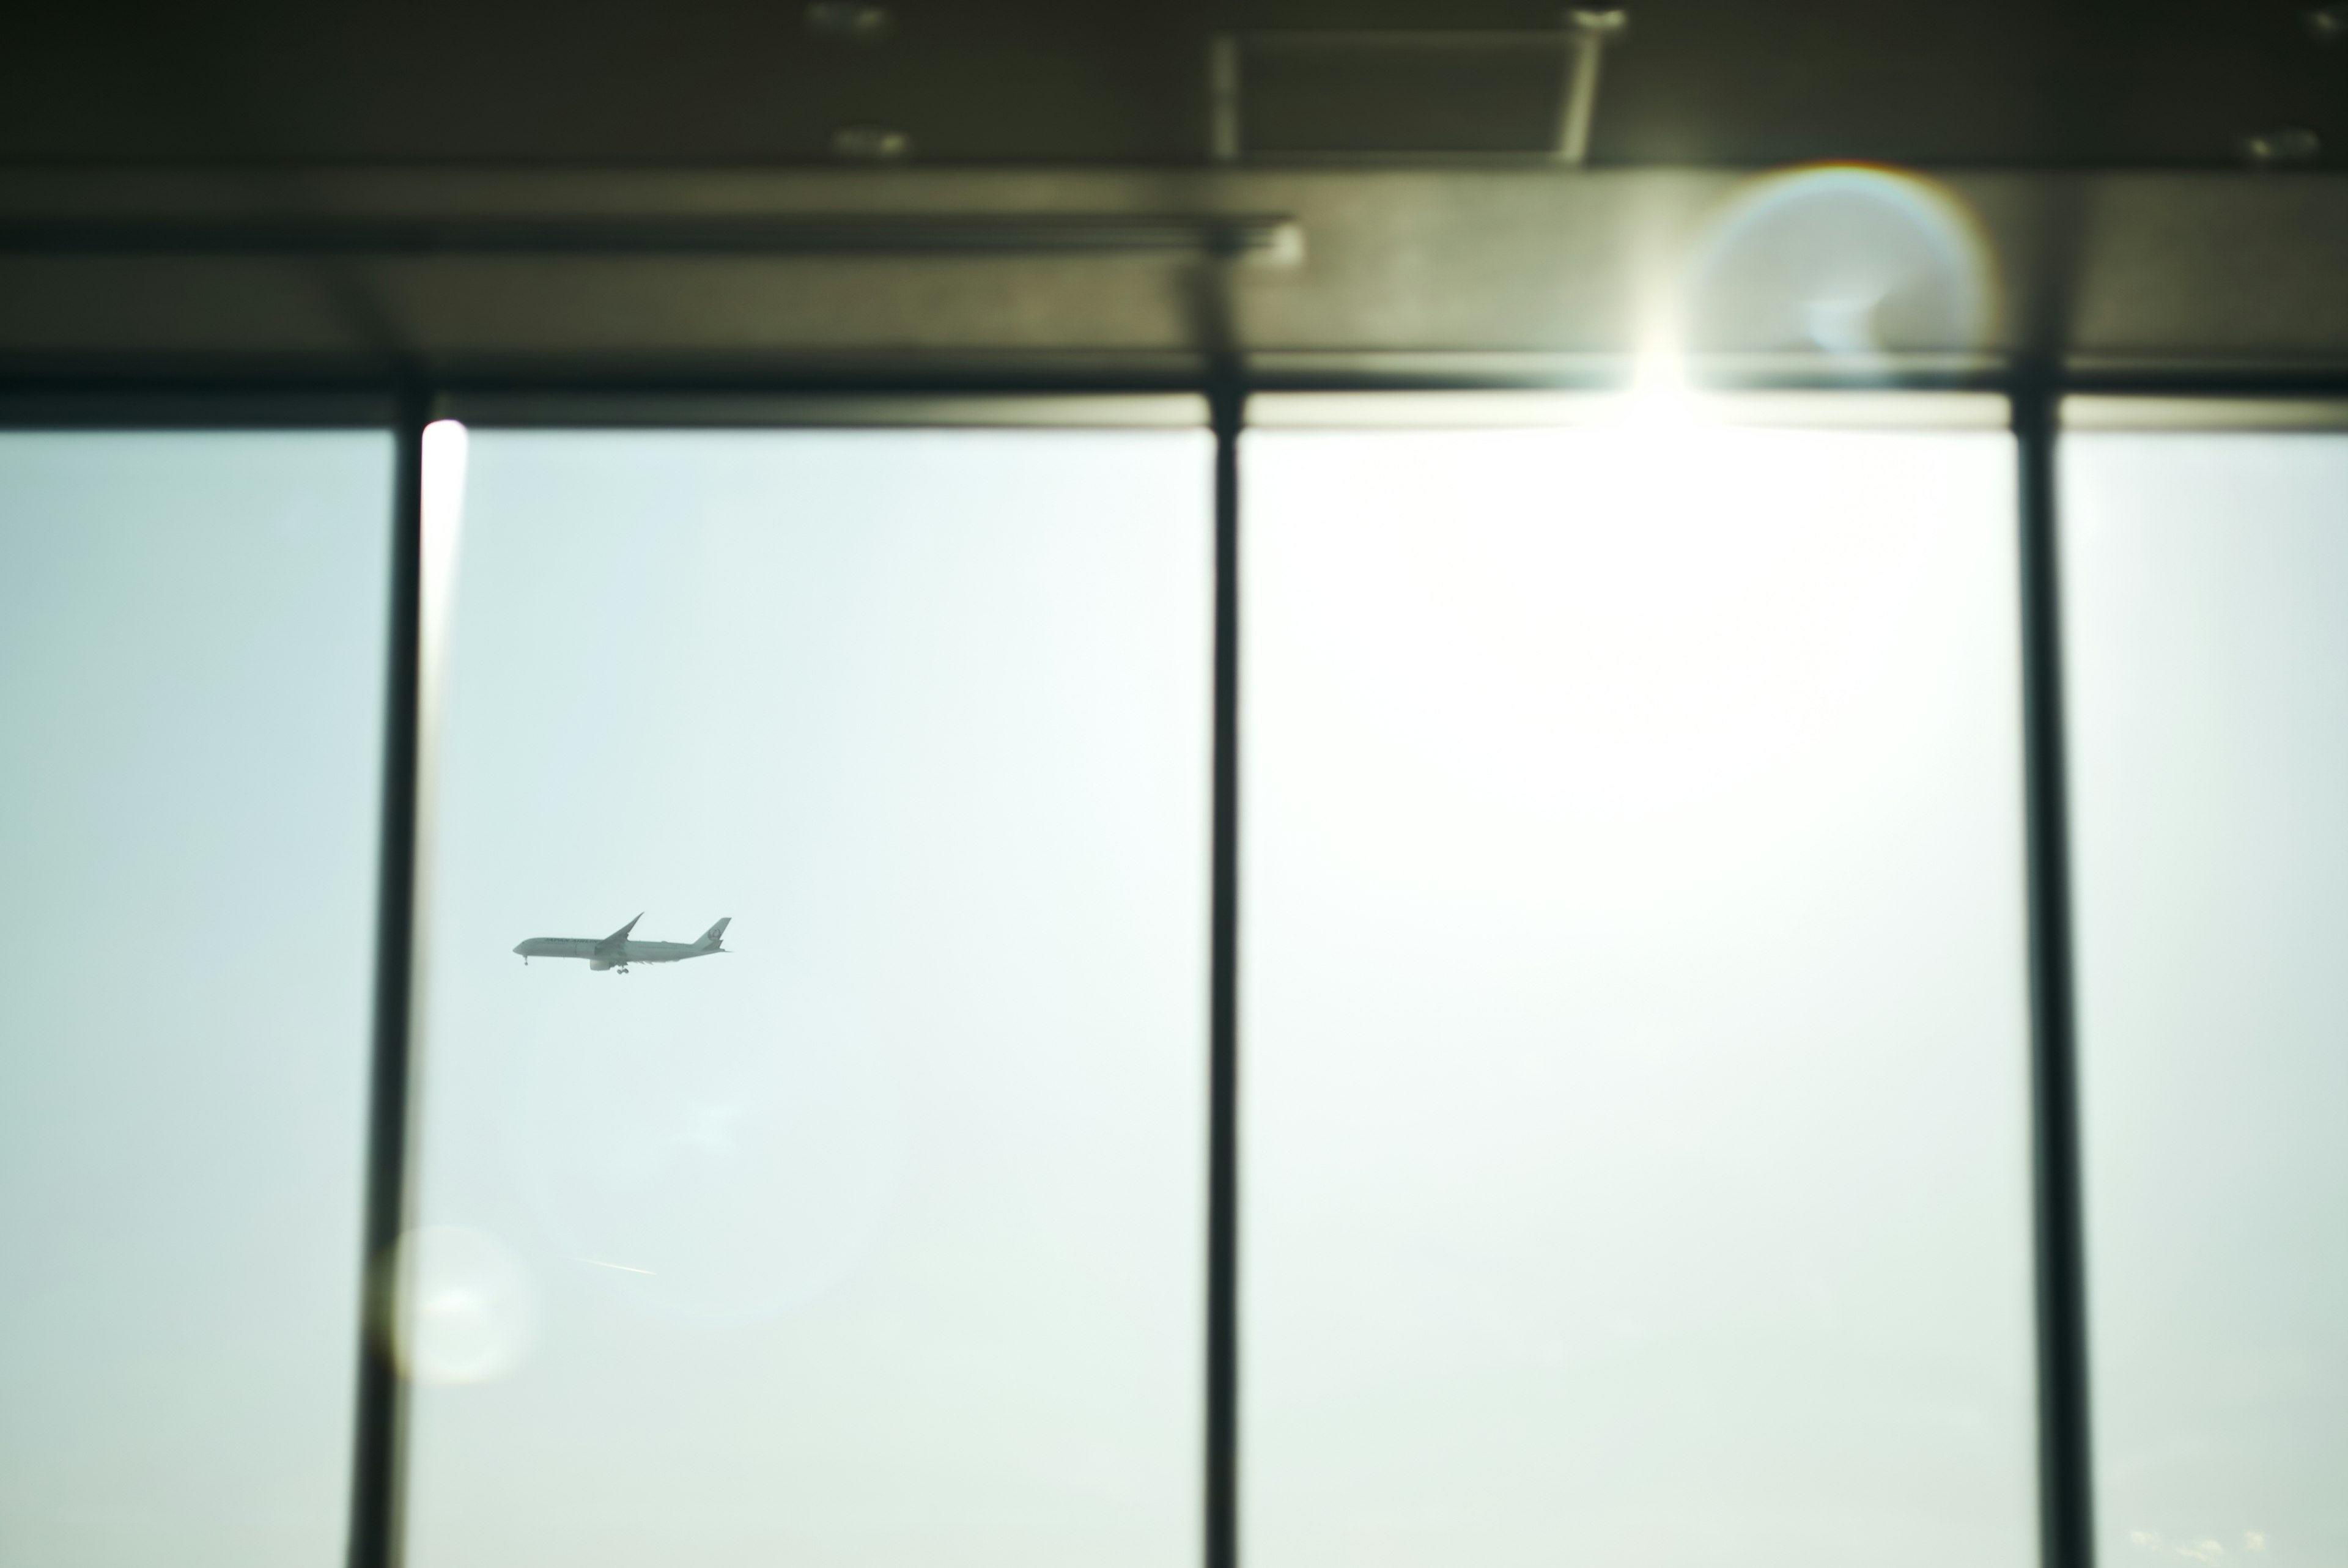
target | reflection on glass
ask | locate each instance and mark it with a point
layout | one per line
(874, 1236)
(1634, 1090)
(2204, 576)
(191, 679)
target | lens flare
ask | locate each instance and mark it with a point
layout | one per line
(465, 1312)
(1858, 266)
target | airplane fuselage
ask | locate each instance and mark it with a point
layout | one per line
(599, 956)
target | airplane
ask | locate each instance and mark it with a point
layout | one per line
(616, 952)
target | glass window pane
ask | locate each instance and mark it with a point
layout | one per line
(191, 679)
(2205, 576)
(1636, 1159)
(878, 1238)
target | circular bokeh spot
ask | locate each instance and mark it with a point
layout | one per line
(467, 1310)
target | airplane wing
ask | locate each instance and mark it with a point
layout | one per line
(620, 936)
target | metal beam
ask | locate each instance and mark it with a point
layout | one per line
(1227, 401)
(1268, 236)
(2066, 1503)
(376, 1456)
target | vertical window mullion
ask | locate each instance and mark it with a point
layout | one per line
(375, 1456)
(2066, 1505)
(1227, 402)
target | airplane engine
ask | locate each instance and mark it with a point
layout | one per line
(600, 963)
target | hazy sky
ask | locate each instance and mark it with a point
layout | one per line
(879, 1238)
(2207, 576)
(1636, 1158)
(192, 643)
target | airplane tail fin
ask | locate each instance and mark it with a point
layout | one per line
(713, 939)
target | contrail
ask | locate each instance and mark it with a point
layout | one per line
(623, 1267)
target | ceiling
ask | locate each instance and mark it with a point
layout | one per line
(2154, 83)
(1530, 273)
(187, 186)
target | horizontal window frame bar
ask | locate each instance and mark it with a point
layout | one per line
(269, 389)
(227, 408)
(2088, 413)
(1276, 237)
(271, 398)
(1923, 409)
(859, 410)
(1050, 402)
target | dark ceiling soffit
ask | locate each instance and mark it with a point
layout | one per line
(1263, 237)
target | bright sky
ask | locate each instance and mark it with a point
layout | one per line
(1635, 1156)
(1636, 1149)
(191, 645)
(877, 1238)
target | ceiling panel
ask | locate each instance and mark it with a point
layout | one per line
(2157, 83)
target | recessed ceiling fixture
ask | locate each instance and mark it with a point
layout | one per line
(1581, 37)
(2288, 144)
(858, 21)
(872, 143)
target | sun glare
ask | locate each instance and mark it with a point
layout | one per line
(1659, 407)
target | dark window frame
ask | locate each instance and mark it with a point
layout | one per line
(406, 403)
